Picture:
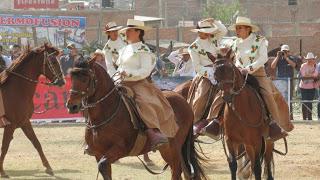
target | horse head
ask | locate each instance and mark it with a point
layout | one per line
(228, 77)
(84, 84)
(50, 65)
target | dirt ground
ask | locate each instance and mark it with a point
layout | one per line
(63, 148)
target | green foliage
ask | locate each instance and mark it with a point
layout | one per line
(223, 11)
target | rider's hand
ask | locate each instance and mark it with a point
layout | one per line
(244, 71)
(211, 57)
(123, 74)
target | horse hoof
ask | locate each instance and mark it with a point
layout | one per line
(50, 172)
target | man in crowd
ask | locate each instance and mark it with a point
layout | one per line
(5, 61)
(68, 60)
(15, 51)
(183, 64)
(284, 64)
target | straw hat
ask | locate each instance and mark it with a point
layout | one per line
(135, 24)
(310, 55)
(99, 51)
(243, 21)
(205, 27)
(285, 48)
(184, 51)
(112, 26)
(71, 46)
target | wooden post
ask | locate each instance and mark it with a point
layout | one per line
(34, 35)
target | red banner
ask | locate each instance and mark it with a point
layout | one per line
(36, 4)
(50, 102)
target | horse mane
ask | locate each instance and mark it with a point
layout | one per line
(253, 82)
(27, 52)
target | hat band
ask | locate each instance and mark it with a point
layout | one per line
(111, 27)
(205, 27)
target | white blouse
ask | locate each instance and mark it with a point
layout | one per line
(137, 61)
(111, 53)
(251, 53)
(199, 47)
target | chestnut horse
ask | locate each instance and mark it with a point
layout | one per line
(242, 124)
(18, 86)
(110, 134)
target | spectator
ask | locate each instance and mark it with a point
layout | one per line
(15, 51)
(5, 61)
(100, 58)
(67, 61)
(307, 85)
(284, 64)
(183, 64)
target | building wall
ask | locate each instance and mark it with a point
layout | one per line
(172, 10)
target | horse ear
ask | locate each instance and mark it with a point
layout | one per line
(230, 55)
(220, 56)
(229, 52)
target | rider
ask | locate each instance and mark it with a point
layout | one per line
(112, 47)
(135, 65)
(203, 52)
(250, 56)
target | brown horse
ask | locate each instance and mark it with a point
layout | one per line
(110, 134)
(18, 86)
(243, 119)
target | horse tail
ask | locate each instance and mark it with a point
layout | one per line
(263, 149)
(192, 161)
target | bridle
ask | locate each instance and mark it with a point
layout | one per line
(229, 99)
(57, 76)
(91, 89)
(221, 83)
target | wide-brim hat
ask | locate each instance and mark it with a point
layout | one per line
(135, 24)
(309, 56)
(112, 26)
(243, 21)
(285, 48)
(184, 51)
(205, 27)
(71, 46)
(99, 51)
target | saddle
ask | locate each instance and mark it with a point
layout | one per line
(254, 84)
(127, 96)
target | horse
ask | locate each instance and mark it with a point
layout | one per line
(111, 135)
(18, 85)
(241, 124)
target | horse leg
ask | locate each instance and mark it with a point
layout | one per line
(104, 168)
(269, 159)
(243, 164)
(254, 154)
(172, 156)
(6, 139)
(232, 159)
(28, 131)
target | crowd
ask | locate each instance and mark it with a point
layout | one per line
(7, 56)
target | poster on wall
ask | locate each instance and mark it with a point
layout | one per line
(36, 4)
(35, 30)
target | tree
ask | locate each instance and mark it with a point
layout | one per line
(224, 11)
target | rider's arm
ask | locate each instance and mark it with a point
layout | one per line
(147, 62)
(261, 57)
(222, 30)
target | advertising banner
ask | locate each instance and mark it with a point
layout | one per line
(50, 102)
(36, 4)
(57, 30)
